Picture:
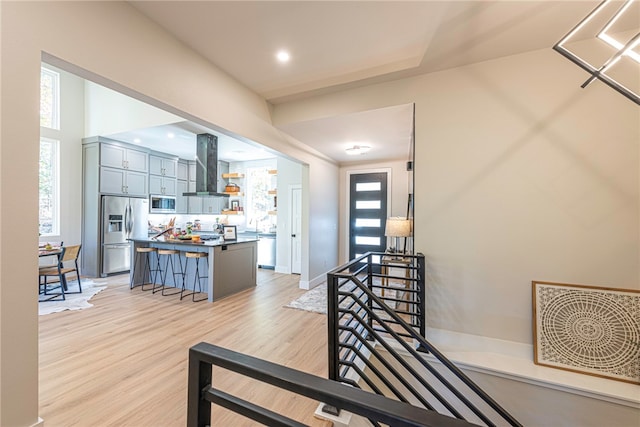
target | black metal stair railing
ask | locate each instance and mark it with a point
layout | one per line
(202, 393)
(367, 329)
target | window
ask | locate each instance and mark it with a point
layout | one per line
(259, 202)
(49, 98)
(48, 212)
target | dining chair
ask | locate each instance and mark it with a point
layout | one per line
(46, 287)
(67, 263)
(49, 264)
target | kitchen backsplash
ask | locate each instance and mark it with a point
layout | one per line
(207, 222)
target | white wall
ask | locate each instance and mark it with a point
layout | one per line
(520, 175)
(141, 61)
(110, 112)
(323, 208)
(70, 137)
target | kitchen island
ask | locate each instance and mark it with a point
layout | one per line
(232, 264)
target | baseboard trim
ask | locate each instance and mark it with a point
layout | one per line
(308, 285)
(282, 269)
(40, 423)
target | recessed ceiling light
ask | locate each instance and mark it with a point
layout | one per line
(170, 135)
(137, 140)
(357, 149)
(283, 56)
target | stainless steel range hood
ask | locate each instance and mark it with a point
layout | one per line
(206, 167)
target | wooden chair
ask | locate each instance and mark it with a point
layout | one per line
(46, 287)
(67, 263)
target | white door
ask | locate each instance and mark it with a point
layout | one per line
(296, 230)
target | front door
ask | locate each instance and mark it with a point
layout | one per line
(367, 213)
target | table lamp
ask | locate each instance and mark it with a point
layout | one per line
(397, 226)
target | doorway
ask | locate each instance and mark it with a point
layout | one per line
(367, 212)
(296, 229)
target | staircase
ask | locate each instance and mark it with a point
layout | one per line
(377, 343)
(381, 367)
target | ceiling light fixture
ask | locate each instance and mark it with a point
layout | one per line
(356, 150)
(137, 140)
(283, 56)
(619, 50)
(171, 135)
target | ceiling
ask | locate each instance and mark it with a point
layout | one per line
(179, 139)
(341, 44)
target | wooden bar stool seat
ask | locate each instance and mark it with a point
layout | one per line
(197, 276)
(170, 254)
(145, 254)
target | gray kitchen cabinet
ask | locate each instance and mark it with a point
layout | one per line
(194, 203)
(118, 156)
(163, 169)
(182, 202)
(212, 205)
(161, 185)
(123, 182)
(182, 186)
(183, 170)
(163, 166)
(192, 172)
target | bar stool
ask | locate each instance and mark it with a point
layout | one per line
(197, 277)
(145, 253)
(170, 254)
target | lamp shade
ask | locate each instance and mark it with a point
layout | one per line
(398, 226)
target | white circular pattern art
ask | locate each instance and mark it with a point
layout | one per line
(591, 330)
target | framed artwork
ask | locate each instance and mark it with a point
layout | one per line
(587, 329)
(235, 205)
(229, 232)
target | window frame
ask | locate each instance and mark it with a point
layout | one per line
(55, 190)
(55, 97)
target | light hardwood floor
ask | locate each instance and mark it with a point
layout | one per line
(123, 362)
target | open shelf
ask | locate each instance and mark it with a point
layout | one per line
(234, 194)
(273, 171)
(232, 175)
(226, 212)
(273, 192)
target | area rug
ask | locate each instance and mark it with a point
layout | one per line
(315, 300)
(72, 301)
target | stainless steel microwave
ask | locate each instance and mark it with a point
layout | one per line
(162, 204)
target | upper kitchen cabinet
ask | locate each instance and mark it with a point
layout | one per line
(123, 182)
(161, 185)
(122, 157)
(163, 170)
(163, 166)
(182, 202)
(112, 167)
(183, 170)
(182, 186)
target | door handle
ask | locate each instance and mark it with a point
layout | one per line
(293, 235)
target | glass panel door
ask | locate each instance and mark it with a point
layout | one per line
(367, 213)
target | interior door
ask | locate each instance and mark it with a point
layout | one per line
(296, 230)
(367, 213)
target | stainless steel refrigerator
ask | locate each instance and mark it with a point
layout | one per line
(122, 218)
